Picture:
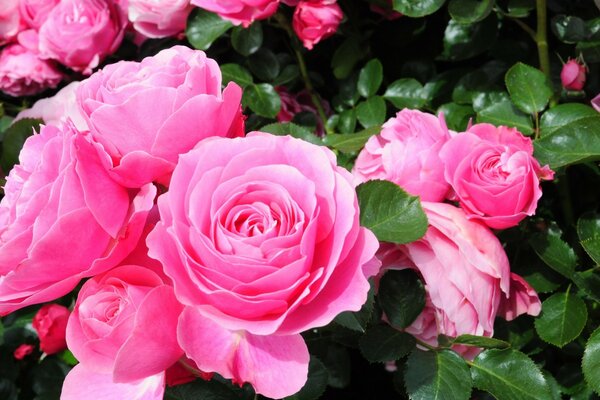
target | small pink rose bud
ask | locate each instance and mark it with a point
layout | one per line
(316, 20)
(573, 75)
(23, 351)
(50, 322)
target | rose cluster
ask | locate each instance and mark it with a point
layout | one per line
(143, 184)
(492, 175)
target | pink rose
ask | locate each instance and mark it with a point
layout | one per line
(406, 152)
(10, 20)
(466, 275)
(596, 103)
(385, 8)
(63, 218)
(494, 175)
(316, 20)
(50, 323)
(573, 75)
(171, 101)
(81, 33)
(158, 20)
(242, 12)
(24, 73)
(23, 351)
(35, 12)
(261, 238)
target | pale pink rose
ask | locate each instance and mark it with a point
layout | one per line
(81, 33)
(10, 20)
(261, 238)
(466, 275)
(63, 218)
(35, 12)
(573, 75)
(596, 103)
(171, 101)
(406, 152)
(50, 323)
(24, 73)
(156, 19)
(314, 21)
(57, 109)
(242, 12)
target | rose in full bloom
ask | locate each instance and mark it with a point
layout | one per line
(261, 238)
(63, 218)
(35, 12)
(242, 12)
(493, 174)
(24, 73)
(573, 75)
(466, 275)
(81, 33)
(176, 91)
(10, 20)
(159, 19)
(406, 152)
(314, 21)
(50, 323)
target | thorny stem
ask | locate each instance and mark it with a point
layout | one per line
(541, 37)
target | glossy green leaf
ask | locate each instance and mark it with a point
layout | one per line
(316, 383)
(347, 122)
(236, 73)
(554, 251)
(484, 79)
(509, 375)
(264, 65)
(440, 375)
(562, 319)
(568, 28)
(350, 142)
(392, 214)
(588, 229)
(247, 41)
(564, 114)
(383, 343)
(505, 113)
(457, 115)
(370, 78)
(346, 56)
(591, 361)
(371, 112)
(262, 99)
(289, 128)
(470, 11)
(401, 296)
(589, 282)
(520, 8)
(528, 87)
(13, 139)
(405, 93)
(481, 341)
(288, 74)
(204, 27)
(462, 42)
(417, 8)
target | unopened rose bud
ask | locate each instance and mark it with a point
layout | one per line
(573, 75)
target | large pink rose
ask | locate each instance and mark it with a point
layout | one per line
(158, 20)
(81, 33)
(24, 73)
(63, 218)
(240, 11)
(10, 20)
(261, 238)
(314, 21)
(466, 275)
(406, 152)
(35, 12)
(494, 175)
(171, 101)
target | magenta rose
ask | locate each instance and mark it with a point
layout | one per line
(50, 323)
(242, 12)
(176, 91)
(10, 20)
(494, 175)
(157, 20)
(63, 218)
(35, 12)
(314, 21)
(261, 238)
(406, 152)
(573, 75)
(24, 73)
(81, 33)
(466, 275)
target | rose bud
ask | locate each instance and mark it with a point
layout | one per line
(573, 75)
(242, 12)
(23, 351)
(50, 322)
(314, 21)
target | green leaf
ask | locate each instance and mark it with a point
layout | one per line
(350, 142)
(405, 93)
(575, 142)
(287, 75)
(264, 65)
(440, 375)
(48, 376)
(555, 252)
(470, 11)
(262, 99)
(564, 114)
(417, 8)
(481, 341)
(346, 56)
(562, 319)
(520, 8)
(247, 41)
(569, 29)
(588, 229)
(371, 112)
(383, 343)
(484, 80)
(347, 122)
(370, 78)
(289, 128)
(358, 321)
(200, 389)
(466, 41)
(204, 27)
(505, 113)
(401, 296)
(591, 361)
(392, 214)
(315, 385)
(13, 140)
(589, 282)
(509, 375)
(236, 73)
(528, 87)
(457, 115)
